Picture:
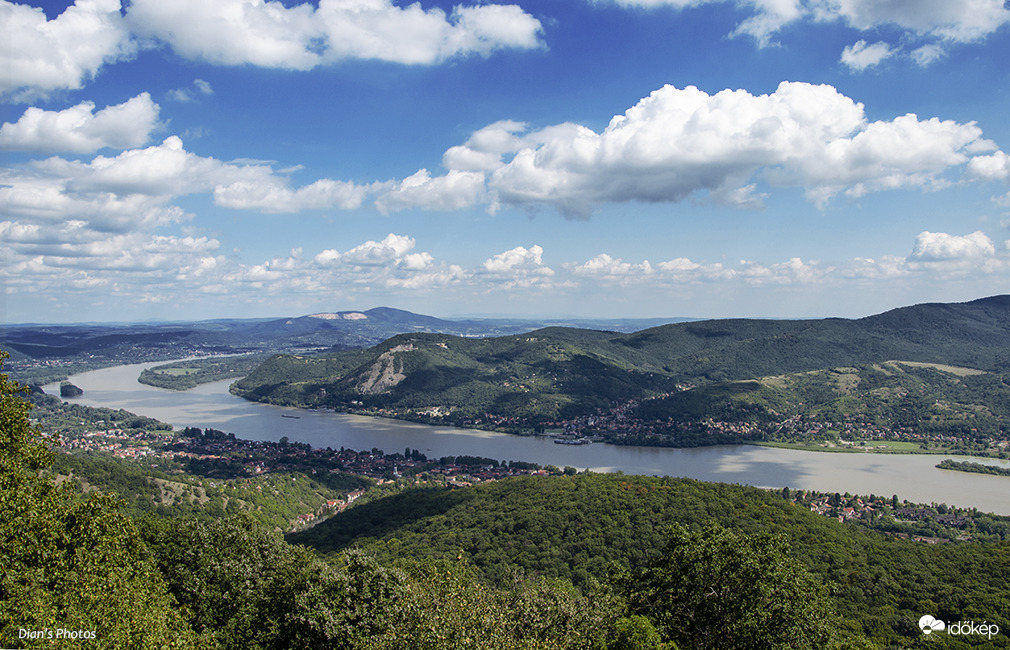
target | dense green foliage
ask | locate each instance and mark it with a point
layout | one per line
(533, 377)
(246, 588)
(76, 572)
(274, 500)
(70, 419)
(576, 527)
(68, 563)
(716, 588)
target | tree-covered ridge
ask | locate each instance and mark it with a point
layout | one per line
(41, 354)
(580, 528)
(536, 377)
(663, 384)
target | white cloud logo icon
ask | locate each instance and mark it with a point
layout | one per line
(928, 624)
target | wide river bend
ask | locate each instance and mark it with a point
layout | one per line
(911, 477)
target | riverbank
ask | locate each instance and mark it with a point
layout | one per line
(892, 447)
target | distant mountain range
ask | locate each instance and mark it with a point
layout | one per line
(538, 378)
(91, 345)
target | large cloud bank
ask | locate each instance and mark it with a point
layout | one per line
(46, 55)
(682, 142)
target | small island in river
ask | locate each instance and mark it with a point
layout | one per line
(974, 468)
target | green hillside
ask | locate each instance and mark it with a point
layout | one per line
(545, 375)
(274, 500)
(581, 528)
(888, 400)
(672, 379)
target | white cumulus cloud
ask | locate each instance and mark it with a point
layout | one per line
(605, 266)
(187, 94)
(518, 267)
(952, 20)
(136, 188)
(939, 246)
(927, 54)
(74, 246)
(677, 143)
(992, 167)
(457, 189)
(40, 56)
(302, 36)
(80, 129)
(393, 247)
(231, 32)
(165, 169)
(860, 55)
(518, 257)
(386, 263)
(376, 29)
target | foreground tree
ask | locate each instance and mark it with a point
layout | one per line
(717, 588)
(71, 569)
(245, 587)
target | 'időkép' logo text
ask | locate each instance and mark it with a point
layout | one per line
(930, 625)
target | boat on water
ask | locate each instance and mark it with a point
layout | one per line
(293, 417)
(573, 441)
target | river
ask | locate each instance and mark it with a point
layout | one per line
(911, 477)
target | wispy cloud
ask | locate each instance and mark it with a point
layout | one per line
(186, 95)
(939, 23)
(860, 55)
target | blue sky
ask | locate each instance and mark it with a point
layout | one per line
(602, 158)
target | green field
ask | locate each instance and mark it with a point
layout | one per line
(183, 375)
(176, 372)
(875, 446)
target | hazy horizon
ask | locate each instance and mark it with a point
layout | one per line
(463, 317)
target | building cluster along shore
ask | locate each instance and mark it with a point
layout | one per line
(218, 453)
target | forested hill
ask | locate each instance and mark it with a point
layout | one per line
(538, 379)
(974, 334)
(579, 528)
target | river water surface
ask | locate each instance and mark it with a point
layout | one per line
(911, 477)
